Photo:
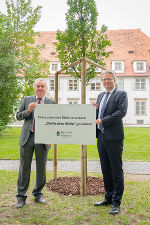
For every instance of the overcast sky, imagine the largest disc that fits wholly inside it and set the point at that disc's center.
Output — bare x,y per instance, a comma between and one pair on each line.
116,14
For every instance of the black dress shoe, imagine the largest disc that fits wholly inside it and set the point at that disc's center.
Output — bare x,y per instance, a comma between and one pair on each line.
115,209
102,203
20,204
39,199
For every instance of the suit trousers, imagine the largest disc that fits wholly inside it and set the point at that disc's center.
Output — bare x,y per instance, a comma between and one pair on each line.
110,153
26,154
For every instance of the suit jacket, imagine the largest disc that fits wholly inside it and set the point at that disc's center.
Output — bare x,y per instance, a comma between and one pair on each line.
115,110
23,114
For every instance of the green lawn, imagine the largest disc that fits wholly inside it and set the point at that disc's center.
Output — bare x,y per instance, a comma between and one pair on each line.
136,146
72,210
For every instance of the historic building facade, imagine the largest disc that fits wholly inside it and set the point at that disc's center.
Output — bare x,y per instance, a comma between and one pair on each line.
129,57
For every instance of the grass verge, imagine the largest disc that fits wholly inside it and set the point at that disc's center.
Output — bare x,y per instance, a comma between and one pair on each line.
72,210
136,146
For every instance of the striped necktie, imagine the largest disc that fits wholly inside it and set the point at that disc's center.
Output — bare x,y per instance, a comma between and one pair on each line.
103,109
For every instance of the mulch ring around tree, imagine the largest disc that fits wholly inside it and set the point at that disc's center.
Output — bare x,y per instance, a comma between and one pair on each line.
71,186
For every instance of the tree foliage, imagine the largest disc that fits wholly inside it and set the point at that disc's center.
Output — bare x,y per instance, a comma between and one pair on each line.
20,61
23,19
9,87
81,38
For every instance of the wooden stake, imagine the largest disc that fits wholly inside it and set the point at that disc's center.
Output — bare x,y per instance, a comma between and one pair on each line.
55,145
83,147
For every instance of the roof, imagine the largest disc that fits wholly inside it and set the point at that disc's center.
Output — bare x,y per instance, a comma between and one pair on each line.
129,45
126,44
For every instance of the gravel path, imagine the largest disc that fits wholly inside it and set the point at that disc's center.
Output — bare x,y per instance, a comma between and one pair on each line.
71,165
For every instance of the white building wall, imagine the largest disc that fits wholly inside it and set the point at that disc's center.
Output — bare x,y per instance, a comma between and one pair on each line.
129,87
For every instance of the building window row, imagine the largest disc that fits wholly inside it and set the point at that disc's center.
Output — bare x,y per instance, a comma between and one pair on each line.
140,105
117,65
138,66
95,85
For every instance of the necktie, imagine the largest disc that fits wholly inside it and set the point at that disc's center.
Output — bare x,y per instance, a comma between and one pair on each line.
38,102
103,109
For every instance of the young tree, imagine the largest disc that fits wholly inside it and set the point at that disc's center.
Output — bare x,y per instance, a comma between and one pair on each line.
81,38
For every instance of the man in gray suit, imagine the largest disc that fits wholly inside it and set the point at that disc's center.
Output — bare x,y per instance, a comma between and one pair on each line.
27,145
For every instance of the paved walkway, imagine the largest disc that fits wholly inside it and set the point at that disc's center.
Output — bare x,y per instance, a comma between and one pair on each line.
71,165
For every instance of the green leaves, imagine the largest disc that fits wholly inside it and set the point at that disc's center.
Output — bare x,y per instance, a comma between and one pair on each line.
18,56
81,38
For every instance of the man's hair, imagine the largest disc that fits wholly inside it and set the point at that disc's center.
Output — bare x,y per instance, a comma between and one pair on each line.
39,79
112,72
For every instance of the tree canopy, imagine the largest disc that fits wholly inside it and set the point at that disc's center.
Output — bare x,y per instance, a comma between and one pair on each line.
81,37
19,56
23,20
9,87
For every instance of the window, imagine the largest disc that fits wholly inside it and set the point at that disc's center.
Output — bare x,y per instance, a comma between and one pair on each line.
120,83
118,66
73,101
53,53
93,100
140,107
140,122
95,85
54,66
97,69
139,66
73,85
51,85
140,84
130,52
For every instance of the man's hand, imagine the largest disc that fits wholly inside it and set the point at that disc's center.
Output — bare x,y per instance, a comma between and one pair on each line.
94,104
31,107
48,145
98,121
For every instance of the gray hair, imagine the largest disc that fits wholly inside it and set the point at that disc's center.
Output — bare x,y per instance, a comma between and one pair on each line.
39,79
112,72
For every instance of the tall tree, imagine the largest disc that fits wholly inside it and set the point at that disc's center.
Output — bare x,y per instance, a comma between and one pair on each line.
9,88
23,19
18,56
81,38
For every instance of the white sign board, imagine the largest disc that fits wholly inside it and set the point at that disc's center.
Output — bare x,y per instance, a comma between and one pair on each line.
65,124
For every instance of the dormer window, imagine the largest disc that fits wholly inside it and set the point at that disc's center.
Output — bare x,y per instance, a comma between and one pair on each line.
139,66
118,66
53,53
130,52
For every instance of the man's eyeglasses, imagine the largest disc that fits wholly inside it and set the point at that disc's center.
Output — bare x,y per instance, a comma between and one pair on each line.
108,79
40,86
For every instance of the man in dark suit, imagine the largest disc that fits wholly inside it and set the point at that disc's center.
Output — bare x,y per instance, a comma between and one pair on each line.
27,145
111,108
